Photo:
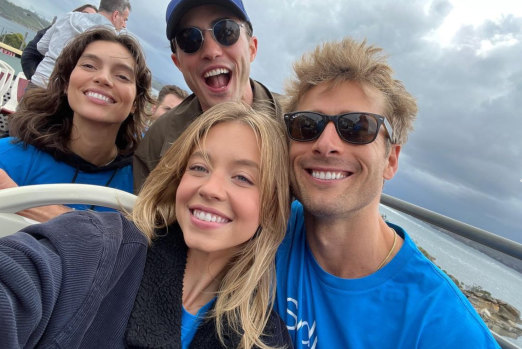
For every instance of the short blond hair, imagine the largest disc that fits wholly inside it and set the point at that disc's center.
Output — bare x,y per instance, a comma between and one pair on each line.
247,290
349,60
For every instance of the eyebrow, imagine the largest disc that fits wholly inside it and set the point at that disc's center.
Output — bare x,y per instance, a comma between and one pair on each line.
119,65
240,162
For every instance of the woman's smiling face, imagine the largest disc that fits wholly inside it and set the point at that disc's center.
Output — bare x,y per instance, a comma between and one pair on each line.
102,85
218,198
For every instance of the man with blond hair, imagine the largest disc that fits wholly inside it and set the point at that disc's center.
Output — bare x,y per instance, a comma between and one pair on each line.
345,277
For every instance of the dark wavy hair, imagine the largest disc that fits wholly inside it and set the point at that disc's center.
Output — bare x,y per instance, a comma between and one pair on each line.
83,7
44,117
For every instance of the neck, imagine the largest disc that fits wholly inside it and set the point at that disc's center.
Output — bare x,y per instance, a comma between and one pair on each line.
352,247
95,145
248,95
203,275
106,14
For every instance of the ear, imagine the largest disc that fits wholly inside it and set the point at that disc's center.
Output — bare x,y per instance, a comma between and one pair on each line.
114,16
392,162
252,46
175,59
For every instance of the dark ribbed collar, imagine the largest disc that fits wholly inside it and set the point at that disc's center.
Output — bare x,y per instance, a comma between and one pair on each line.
79,163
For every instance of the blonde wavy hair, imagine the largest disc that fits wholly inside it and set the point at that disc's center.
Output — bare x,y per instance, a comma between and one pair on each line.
246,292
348,60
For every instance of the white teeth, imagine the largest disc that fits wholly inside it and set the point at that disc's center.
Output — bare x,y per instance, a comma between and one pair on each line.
99,96
207,217
328,175
215,72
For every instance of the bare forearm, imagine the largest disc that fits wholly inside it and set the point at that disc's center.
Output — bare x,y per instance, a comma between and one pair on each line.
44,213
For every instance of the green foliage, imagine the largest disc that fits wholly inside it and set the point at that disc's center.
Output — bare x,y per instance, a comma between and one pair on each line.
15,40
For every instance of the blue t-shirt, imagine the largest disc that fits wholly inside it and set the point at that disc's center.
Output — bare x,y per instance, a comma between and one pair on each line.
409,303
190,324
28,166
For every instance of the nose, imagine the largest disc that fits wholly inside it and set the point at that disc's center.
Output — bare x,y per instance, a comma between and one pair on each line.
103,77
328,142
210,47
213,188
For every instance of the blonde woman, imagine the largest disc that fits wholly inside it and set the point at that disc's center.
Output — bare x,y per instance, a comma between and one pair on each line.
194,266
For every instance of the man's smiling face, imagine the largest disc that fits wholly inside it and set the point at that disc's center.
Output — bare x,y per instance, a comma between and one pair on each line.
331,177
216,73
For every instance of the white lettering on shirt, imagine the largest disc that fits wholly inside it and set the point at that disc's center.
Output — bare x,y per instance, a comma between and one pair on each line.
301,326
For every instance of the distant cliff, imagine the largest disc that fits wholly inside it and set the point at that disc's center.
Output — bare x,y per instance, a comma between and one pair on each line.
22,16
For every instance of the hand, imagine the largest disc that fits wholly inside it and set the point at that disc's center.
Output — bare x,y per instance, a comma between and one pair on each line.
40,214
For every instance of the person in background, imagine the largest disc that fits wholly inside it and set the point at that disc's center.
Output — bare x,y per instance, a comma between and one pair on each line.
30,55
345,277
85,126
111,13
199,274
169,97
213,45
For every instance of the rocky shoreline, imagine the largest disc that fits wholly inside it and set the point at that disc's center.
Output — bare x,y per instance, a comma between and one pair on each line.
501,317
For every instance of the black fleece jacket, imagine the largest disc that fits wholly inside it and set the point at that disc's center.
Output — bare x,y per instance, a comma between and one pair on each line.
155,321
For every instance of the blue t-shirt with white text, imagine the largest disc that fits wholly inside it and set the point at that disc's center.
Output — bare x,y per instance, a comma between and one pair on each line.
409,303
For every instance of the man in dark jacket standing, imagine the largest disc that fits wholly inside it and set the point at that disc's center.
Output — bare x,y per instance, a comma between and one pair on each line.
213,46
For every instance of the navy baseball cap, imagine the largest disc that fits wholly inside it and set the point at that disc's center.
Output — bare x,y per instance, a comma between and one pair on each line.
177,9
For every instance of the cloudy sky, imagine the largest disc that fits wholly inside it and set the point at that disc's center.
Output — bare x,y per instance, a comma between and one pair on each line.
462,59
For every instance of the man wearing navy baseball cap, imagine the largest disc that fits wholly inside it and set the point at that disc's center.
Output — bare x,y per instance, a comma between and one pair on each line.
213,46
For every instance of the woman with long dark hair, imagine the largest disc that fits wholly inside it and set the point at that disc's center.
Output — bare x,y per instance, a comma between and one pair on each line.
85,126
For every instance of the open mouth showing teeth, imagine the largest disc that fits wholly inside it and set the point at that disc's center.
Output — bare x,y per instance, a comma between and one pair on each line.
208,217
99,96
217,78
329,175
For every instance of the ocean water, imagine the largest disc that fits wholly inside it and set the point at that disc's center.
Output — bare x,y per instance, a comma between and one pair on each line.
468,265
7,26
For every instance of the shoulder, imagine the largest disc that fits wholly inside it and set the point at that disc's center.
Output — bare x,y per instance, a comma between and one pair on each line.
445,301
83,21
294,243
295,221
12,150
168,127
7,143
183,114
264,98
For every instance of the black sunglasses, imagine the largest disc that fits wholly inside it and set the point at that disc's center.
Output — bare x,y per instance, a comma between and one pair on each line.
355,128
225,32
